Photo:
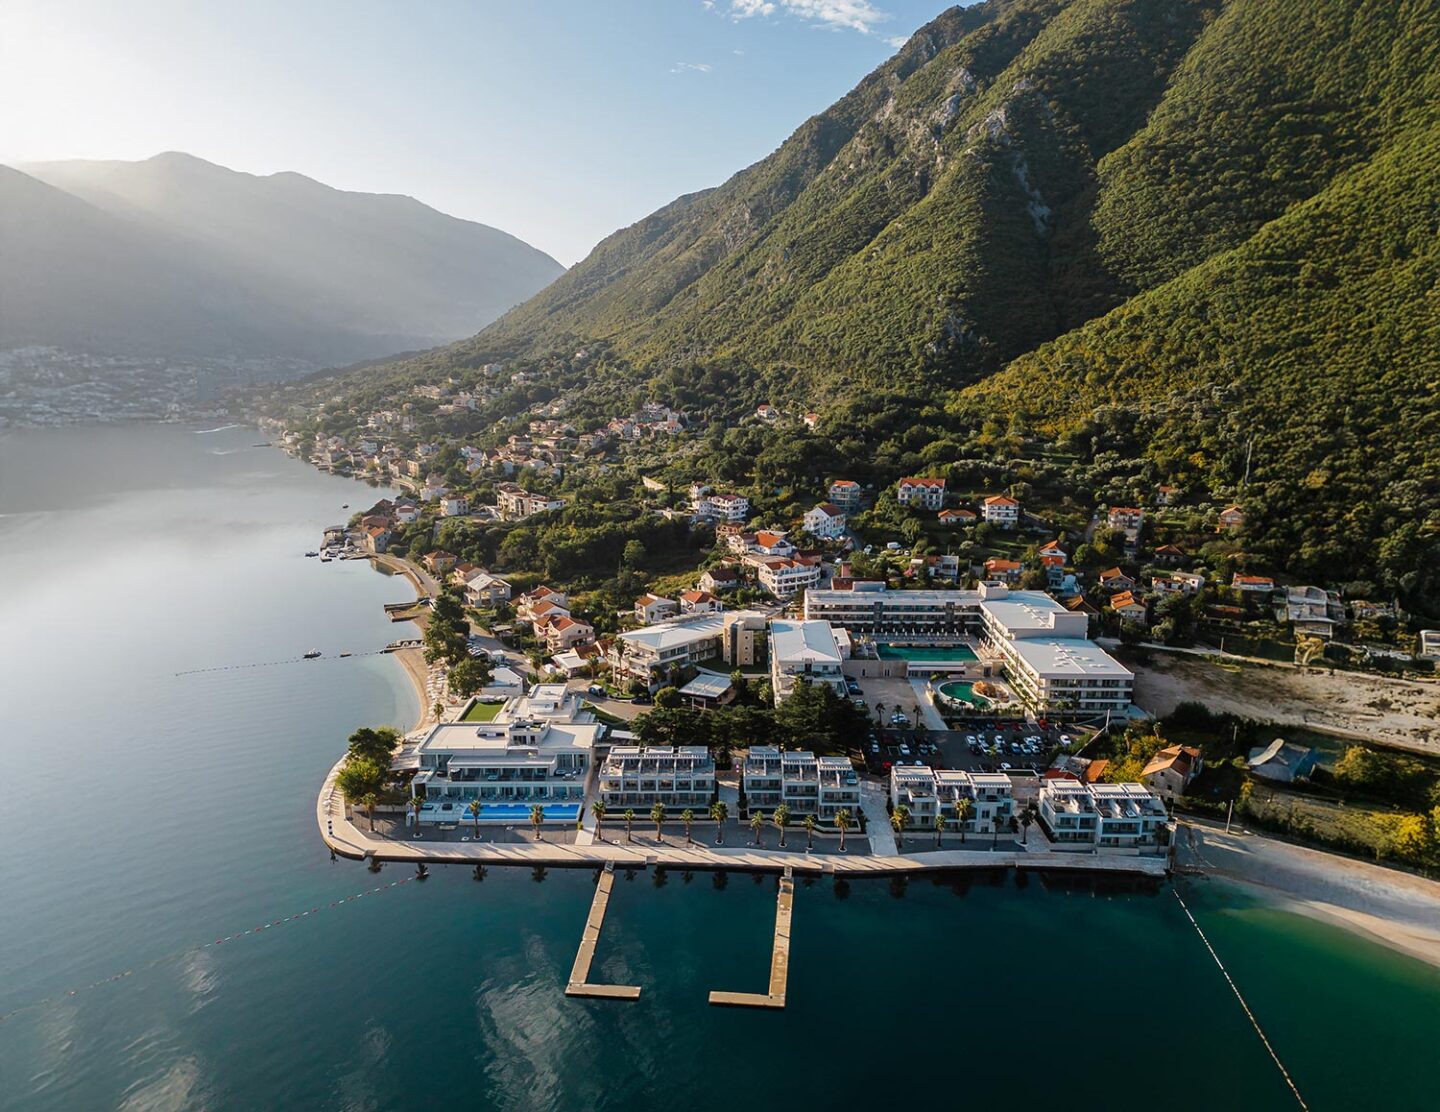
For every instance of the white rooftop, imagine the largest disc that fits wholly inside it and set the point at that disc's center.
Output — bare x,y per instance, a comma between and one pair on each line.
677,632
800,642
707,686
1066,657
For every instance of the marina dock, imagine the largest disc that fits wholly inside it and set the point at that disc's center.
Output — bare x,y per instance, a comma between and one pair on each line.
779,958
579,983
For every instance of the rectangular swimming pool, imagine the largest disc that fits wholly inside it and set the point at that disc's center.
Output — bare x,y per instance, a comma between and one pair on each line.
925,652
501,812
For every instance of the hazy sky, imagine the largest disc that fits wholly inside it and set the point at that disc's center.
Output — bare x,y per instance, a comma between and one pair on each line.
557,120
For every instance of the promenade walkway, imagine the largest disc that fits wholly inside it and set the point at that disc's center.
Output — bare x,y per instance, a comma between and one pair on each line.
349,840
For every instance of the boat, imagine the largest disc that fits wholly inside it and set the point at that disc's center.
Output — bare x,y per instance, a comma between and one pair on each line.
326,559
345,654
312,554
312,654
346,506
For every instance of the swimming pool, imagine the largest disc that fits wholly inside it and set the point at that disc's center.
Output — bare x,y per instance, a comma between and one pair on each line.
963,693
926,652
500,812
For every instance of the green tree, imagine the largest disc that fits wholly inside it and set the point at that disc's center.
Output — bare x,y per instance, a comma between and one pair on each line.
598,810
469,676
781,819
369,799
629,821
719,812
687,817
809,823
842,823
537,817
475,807
964,809
939,828
373,744
417,803
657,816
897,823
757,824
359,777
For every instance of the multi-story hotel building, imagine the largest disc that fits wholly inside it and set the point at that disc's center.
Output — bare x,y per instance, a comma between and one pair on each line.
536,750
804,650
647,654
1112,815
1049,661
926,792
869,609
803,782
682,778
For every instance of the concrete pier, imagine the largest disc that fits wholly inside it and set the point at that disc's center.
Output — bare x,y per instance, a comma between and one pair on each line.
579,984
779,958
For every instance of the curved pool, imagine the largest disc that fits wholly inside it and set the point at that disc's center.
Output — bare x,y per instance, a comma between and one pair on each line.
961,692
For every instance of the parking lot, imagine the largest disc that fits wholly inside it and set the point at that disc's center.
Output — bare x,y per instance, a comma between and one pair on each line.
1023,747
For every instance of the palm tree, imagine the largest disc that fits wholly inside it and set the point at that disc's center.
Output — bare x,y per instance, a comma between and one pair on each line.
809,824
781,819
995,830
368,800
939,829
537,816
842,823
899,819
629,818
1027,816
416,802
687,817
439,709
757,824
657,816
475,808
598,810
880,712
964,808
719,812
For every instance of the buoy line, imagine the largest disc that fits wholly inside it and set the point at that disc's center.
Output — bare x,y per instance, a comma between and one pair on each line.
274,663
1236,990
49,1001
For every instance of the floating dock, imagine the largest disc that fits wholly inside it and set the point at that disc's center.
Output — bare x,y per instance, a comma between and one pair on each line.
779,958
579,984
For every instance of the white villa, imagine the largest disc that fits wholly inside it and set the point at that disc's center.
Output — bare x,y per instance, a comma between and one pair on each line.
827,521
723,507
925,494
537,750
636,777
1001,510
1119,816
803,782
927,792
784,577
803,649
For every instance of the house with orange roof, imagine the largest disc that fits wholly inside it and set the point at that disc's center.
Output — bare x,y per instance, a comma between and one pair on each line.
1172,770
1128,607
956,517
1257,584
1231,517
650,609
922,493
700,602
1005,571
1001,511
1116,580
826,521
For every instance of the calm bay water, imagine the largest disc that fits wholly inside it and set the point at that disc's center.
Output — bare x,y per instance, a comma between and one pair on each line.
149,813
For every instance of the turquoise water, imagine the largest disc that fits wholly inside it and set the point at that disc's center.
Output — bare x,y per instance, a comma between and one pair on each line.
151,815
964,692
911,652
493,811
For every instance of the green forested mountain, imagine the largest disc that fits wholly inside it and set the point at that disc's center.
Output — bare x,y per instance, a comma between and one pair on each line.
1168,231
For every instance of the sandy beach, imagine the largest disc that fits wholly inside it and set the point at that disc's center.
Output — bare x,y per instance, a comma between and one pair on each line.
1395,909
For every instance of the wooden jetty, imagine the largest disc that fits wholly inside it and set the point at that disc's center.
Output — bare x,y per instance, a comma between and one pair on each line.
779,958
579,984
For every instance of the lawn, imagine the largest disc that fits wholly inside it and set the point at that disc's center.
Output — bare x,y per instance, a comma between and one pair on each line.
482,712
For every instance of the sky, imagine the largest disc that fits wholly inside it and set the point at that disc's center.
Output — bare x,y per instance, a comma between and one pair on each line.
556,120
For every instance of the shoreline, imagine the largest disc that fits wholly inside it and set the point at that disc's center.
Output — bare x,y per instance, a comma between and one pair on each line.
1396,910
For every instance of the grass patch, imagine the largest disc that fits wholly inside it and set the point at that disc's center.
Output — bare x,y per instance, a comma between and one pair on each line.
482,712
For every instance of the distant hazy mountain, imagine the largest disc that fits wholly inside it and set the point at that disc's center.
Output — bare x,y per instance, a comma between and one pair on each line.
177,256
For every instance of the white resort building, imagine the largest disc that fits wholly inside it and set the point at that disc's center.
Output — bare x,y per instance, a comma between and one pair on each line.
804,649
926,792
803,782
636,777
537,750
648,654
1116,816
